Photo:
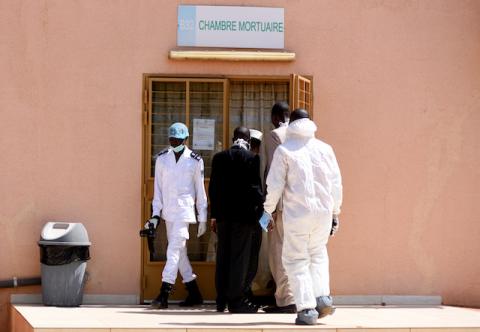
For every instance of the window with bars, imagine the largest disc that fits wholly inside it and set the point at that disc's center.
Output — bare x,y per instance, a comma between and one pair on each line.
207,102
168,105
251,103
184,102
302,93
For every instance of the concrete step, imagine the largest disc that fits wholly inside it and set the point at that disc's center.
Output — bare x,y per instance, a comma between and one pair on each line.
108,318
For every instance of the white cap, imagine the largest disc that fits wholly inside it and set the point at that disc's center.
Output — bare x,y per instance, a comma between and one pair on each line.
256,134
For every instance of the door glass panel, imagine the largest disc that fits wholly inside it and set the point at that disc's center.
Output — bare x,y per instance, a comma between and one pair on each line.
251,103
206,102
174,102
168,106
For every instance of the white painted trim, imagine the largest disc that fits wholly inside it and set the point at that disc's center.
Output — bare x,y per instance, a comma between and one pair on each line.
107,299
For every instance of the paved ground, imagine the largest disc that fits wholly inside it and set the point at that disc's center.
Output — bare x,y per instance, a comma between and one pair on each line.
138,318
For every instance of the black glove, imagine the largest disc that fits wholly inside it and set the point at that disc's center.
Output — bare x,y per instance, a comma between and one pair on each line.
335,225
153,220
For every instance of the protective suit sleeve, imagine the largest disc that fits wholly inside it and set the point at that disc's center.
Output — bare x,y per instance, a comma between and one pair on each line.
202,228
272,141
157,202
337,188
201,196
276,180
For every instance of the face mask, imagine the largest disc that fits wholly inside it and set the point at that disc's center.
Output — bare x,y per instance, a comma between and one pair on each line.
179,148
242,143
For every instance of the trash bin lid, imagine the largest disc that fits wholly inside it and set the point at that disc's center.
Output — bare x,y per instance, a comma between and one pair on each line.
64,234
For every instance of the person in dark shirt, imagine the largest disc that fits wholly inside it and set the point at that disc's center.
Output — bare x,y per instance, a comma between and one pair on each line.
255,143
236,203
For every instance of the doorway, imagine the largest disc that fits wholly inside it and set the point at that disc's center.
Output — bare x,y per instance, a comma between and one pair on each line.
223,103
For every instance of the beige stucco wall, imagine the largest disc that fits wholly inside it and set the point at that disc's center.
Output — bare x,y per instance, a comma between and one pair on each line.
397,93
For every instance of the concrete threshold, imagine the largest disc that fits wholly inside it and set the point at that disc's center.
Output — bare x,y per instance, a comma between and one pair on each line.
109,318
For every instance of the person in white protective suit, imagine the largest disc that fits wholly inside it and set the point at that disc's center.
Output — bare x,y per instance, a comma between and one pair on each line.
178,187
305,171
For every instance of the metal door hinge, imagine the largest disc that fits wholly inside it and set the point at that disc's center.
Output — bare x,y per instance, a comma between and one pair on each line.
145,107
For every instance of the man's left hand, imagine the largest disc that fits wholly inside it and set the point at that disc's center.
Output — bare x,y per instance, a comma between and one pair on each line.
266,221
202,228
335,225
153,220
271,225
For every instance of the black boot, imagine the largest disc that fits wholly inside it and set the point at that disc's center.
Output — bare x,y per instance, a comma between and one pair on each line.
161,302
194,297
242,306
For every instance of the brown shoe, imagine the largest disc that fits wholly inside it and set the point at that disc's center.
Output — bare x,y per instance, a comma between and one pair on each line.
274,309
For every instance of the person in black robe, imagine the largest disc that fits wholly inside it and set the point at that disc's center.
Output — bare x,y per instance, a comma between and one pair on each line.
236,203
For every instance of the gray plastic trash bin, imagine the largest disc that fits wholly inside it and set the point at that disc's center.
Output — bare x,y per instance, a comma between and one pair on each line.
64,251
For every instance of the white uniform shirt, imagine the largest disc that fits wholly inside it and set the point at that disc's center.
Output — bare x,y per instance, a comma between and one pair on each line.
178,186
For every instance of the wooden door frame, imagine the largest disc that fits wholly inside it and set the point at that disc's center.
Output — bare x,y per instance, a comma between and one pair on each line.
146,131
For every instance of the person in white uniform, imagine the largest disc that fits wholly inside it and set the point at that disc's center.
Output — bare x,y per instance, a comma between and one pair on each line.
305,171
178,188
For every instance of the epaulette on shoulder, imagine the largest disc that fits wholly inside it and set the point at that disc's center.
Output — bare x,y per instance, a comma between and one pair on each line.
160,153
196,156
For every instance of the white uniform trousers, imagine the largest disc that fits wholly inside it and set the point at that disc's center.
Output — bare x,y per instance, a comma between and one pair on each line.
305,259
177,259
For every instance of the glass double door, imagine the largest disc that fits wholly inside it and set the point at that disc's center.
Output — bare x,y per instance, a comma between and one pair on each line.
211,108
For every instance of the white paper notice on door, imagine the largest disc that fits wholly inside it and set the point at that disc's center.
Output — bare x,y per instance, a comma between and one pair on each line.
203,134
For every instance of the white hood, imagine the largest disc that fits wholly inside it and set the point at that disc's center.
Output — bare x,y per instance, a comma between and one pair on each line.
302,127
305,172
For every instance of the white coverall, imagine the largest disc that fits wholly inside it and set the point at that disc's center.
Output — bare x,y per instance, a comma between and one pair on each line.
178,186
305,170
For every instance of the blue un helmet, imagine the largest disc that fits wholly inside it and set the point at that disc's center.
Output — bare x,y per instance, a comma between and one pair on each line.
178,130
